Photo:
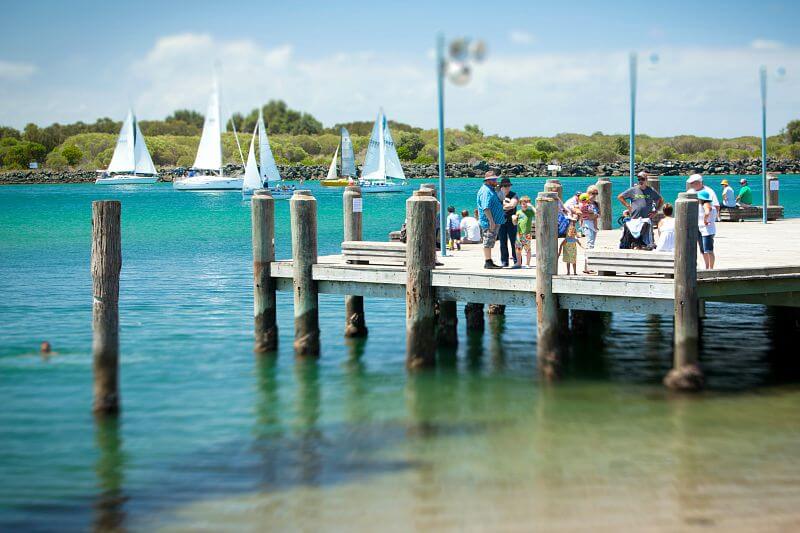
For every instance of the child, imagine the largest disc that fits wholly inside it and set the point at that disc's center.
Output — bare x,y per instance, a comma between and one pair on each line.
569,249
453,228
588,219
524,221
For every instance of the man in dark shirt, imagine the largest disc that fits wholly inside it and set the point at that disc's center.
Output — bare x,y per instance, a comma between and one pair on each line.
642,201
508,232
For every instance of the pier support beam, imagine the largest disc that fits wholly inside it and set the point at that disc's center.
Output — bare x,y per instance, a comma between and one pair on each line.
654,182
604,199
497,309
546,267
264,306
686,374
554,185
106,264
474,314
447,327
355,323
420,261
303,210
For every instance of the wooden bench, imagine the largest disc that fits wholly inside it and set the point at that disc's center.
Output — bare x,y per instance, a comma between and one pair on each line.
738,214
374,253
609,263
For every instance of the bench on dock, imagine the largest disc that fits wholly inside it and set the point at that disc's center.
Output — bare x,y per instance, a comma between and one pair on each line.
738,214
609,263
374,253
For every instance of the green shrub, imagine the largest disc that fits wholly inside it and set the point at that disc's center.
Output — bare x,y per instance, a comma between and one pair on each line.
56,161
72,154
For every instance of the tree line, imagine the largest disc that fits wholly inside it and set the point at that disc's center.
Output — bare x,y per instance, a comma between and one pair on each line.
299,138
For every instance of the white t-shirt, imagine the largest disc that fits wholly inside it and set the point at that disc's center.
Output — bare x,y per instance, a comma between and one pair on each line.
711,227
470,229
728,197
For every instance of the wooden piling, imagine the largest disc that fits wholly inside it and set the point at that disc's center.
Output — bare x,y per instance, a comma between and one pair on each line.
554,185
303,210
497,309
262,213
604,199
447,324
473,312
420,261
106,263
654,182
546,267
355,323
686,374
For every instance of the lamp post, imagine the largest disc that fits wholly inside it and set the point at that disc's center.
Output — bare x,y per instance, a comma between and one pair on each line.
456,67
632,67
779,75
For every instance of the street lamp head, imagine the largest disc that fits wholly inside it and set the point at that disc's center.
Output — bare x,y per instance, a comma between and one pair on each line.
477,51
459,49
458,72
780,74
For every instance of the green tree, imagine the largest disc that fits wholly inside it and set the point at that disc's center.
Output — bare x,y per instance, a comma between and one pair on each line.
543,145
474,129
410,144
187,116
72,154
622,146
793,132
6,131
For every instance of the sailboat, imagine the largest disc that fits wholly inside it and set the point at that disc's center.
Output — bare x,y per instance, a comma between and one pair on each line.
268,175
207,173
382,171
131,162
348,163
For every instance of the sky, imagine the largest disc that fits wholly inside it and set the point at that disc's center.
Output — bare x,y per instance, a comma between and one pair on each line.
551,66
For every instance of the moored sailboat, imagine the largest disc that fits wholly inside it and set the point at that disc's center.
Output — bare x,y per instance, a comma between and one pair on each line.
267,176
207,173
131,162
348,163
382,171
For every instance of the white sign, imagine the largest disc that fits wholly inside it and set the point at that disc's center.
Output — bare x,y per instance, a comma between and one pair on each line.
357,205
554,167
33,164
774,185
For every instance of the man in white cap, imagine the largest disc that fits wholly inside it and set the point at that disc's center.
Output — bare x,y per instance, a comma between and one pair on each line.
695,183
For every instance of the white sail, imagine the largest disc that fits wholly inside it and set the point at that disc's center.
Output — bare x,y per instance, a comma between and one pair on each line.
269,170
124,159
348,158
209,152
252,180
332,168
393,168
143,161
374,168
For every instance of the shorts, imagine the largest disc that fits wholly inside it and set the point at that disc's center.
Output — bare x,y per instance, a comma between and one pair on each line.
455,234
524,241
705,243
490,237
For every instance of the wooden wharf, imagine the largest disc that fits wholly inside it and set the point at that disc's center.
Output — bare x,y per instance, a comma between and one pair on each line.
758,264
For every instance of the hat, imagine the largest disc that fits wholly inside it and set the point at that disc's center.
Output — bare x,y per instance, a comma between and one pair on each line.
694,178
583,196
578,193
742,181
723,182
504,182
704,195
643,174
490,176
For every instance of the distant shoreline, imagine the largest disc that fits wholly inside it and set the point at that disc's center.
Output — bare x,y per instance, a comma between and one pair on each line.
453,170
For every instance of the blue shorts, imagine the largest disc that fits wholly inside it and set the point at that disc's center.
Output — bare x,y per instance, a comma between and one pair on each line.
705,243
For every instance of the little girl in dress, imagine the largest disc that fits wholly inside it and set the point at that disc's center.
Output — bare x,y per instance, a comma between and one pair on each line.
569,249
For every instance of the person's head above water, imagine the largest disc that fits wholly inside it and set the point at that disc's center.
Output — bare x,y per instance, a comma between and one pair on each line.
45,347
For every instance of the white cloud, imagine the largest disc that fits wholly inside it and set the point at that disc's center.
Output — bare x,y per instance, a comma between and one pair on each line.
766,44
13,71
521,37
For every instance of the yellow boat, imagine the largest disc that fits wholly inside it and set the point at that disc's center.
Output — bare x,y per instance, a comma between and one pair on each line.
335,182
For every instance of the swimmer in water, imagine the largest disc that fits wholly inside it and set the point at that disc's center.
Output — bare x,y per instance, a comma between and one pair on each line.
46,350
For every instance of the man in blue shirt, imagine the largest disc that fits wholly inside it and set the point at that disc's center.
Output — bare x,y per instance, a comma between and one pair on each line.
491,215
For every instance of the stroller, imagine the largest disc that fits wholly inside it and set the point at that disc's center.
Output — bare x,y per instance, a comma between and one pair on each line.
637,234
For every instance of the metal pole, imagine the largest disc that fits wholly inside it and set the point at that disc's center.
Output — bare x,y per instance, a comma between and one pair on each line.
765,192
632,148
440,87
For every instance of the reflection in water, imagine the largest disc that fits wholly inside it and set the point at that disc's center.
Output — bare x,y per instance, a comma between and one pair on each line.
474,354
307,413
783,327
587,344
109,512
497,327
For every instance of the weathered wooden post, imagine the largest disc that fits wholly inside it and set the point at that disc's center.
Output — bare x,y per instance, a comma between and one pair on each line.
604,199
262,213
355,324
772,190
106,263
546,268
303,210
686,374
554,185
447,326
497,309
473,312
420,261
654,182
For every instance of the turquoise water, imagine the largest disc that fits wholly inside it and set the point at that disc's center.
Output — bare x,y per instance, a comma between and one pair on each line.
211,436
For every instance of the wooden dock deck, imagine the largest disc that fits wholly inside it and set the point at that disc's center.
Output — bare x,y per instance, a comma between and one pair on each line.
756,263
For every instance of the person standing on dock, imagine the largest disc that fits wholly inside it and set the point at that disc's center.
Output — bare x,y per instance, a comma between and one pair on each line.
453,229
695,183
706,217
525,218
508,232
642,201
491,216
